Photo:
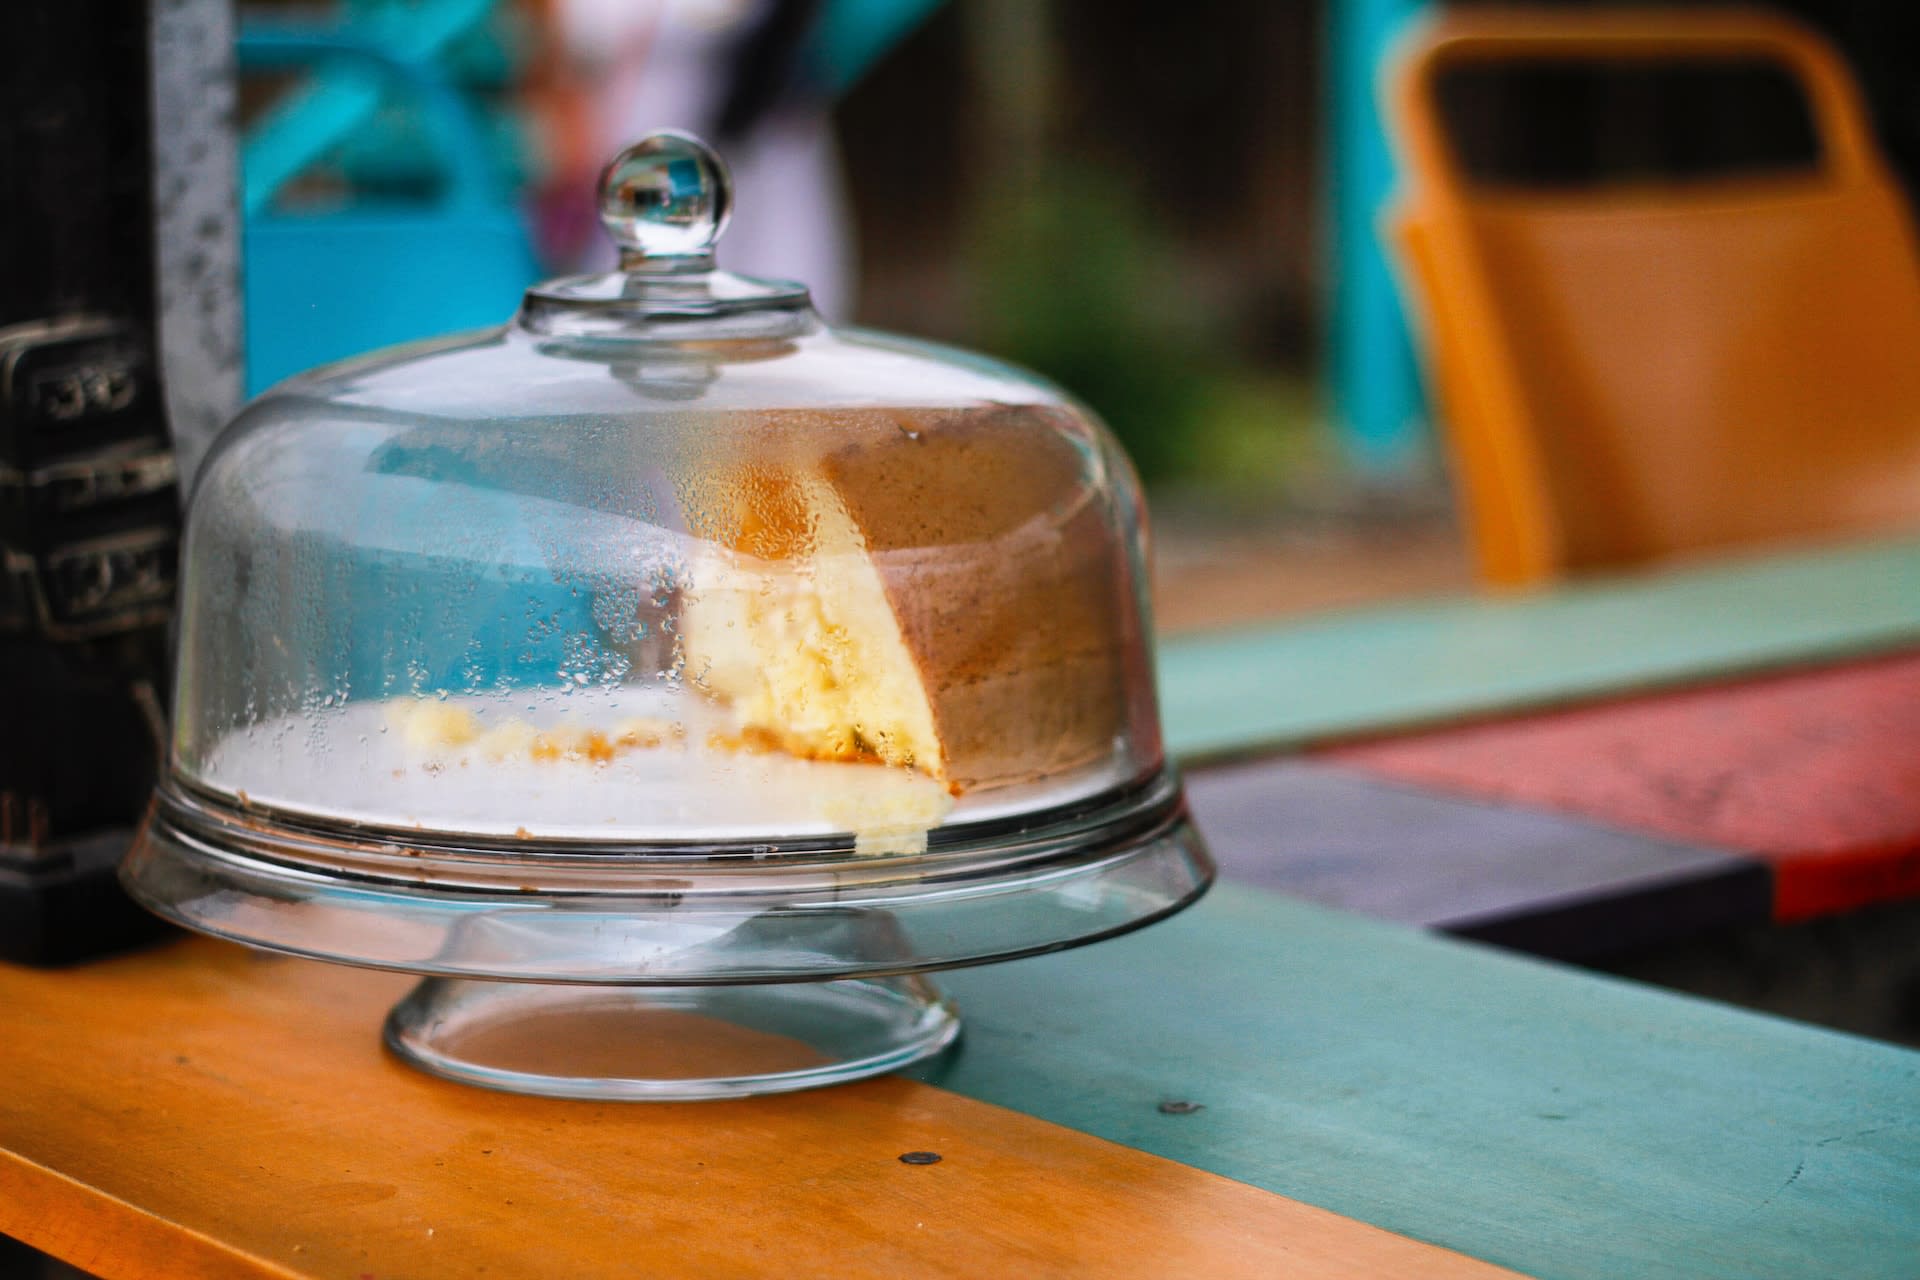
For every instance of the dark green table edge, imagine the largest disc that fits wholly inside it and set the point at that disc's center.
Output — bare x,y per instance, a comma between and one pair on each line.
1559,1123
1300,681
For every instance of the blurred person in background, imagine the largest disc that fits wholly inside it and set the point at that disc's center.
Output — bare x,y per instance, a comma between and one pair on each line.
732,71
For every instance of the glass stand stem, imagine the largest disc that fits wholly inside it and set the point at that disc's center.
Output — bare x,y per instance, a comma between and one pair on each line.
668,1043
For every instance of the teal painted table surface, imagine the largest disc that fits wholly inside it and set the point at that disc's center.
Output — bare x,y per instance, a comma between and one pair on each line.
1561,1124
1352,674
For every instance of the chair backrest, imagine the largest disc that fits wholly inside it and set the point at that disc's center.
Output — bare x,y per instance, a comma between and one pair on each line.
1638,370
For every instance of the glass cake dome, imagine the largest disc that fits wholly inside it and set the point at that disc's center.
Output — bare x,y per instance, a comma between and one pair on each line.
667,676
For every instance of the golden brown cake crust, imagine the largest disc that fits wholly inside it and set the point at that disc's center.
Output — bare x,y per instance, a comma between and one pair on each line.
989,535
992,539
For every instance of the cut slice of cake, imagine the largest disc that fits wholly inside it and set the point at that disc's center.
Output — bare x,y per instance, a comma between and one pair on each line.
937,591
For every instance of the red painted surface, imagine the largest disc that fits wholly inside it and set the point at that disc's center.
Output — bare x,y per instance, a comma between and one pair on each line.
1816,772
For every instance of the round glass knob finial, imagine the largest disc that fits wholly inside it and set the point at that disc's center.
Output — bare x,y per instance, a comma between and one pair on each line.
666,197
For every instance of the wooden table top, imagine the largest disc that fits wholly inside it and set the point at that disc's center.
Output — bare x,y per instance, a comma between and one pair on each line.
1373,1101
1306,681
1622,764
217,1113
1370,1099
1813,774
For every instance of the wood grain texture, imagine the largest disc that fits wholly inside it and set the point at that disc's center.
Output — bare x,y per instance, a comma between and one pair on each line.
1305,681
200,1111
1817,772
1571,1127
1537,882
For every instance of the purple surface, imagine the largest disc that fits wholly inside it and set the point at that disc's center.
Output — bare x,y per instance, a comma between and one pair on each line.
1535,881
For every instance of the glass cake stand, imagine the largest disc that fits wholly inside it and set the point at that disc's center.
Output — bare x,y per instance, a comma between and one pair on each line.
669,679
618,972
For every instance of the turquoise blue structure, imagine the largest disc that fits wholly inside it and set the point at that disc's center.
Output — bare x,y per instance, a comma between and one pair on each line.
323,281
429,241
854,34
1378,404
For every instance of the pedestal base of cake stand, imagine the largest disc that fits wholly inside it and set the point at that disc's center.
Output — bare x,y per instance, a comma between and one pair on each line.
668,1044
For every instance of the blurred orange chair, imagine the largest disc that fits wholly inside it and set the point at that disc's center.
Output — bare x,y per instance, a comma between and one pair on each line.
1635,371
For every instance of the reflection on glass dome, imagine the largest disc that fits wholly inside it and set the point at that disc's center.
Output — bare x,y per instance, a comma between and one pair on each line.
689,618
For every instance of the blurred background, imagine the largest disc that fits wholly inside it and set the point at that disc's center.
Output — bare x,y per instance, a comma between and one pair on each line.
1175,211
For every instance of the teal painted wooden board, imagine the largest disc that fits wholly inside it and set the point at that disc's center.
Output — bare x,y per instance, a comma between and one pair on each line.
1561,1124
1349,674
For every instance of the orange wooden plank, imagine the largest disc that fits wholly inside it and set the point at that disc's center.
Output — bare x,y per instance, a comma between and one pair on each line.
200,1110
1817,773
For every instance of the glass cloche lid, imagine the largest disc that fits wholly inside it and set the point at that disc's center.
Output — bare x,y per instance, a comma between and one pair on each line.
666,639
